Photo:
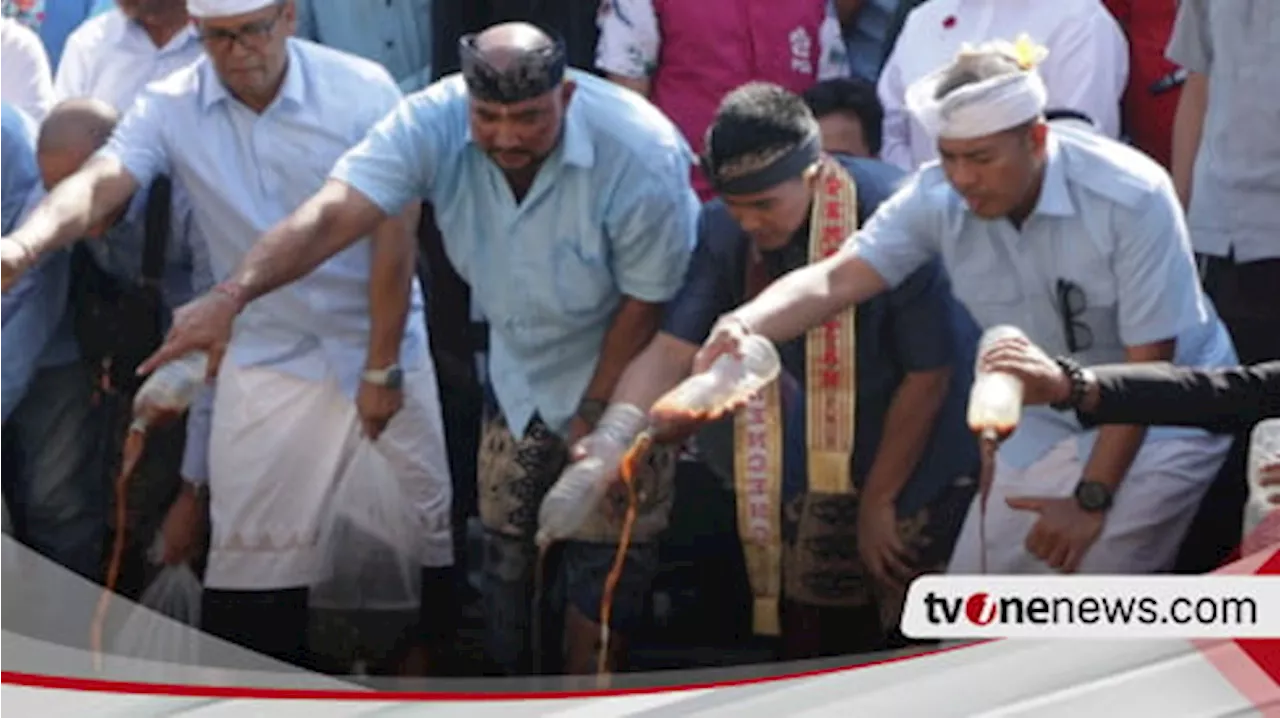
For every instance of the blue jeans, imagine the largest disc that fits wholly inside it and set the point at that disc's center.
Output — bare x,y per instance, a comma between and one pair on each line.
57,487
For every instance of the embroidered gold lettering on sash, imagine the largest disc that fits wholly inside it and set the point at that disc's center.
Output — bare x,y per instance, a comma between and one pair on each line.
830,406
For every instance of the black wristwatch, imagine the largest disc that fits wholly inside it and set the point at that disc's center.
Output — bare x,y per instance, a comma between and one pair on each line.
1093,496
1079,385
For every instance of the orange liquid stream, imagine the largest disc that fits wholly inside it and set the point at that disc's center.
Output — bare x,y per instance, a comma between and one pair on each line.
630,464
134,444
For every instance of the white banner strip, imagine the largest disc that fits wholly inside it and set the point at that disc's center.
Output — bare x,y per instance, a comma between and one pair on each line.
1143,607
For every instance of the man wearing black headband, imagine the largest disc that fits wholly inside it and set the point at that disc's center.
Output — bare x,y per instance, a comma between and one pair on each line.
912,457
564,202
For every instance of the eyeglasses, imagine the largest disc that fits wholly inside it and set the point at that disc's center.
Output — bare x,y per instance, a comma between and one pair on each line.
251,35
1071,304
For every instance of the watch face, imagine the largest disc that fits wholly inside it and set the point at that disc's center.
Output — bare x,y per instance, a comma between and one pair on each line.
1093,496
395,377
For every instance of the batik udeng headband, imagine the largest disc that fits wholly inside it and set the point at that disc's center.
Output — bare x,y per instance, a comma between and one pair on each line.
788,165
531,74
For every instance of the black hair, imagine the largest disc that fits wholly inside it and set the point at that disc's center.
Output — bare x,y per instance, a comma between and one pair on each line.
756,120
853,96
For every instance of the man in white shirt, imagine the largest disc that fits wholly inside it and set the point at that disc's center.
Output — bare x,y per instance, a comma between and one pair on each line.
111,57
319,369
1086,69
25,77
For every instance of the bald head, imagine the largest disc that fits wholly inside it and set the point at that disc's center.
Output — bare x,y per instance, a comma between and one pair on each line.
507,44
72,132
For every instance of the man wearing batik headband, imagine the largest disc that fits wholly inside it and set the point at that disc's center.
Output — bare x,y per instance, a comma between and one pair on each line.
564,202
834,522
1077,240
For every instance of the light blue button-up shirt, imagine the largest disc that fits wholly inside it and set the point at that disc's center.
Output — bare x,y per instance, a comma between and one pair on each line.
1108,221
394,33
245,172
611,213
33,314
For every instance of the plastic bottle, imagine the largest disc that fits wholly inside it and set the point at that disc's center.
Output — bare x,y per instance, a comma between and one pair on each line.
1264,449
995,401
170,390
584,483
729,379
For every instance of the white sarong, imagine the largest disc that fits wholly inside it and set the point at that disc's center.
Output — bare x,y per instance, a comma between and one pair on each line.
1144,527
278,448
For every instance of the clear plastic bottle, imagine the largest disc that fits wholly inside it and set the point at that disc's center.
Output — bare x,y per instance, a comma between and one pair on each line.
995,401
1264,449
584,483
729,379
170,390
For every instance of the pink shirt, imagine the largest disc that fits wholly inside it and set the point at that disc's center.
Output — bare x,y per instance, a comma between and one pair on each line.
695,52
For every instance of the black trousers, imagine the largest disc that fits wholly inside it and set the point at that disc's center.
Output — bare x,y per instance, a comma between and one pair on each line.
273,623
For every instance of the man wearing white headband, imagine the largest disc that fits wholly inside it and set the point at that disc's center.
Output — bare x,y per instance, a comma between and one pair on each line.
251,130
1075,239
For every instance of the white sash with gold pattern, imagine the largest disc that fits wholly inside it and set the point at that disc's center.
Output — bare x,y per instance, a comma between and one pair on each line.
830,394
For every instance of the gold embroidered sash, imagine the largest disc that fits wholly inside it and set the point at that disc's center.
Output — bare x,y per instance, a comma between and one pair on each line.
830,365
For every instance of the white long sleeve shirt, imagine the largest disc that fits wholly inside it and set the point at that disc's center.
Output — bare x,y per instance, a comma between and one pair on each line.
1086,69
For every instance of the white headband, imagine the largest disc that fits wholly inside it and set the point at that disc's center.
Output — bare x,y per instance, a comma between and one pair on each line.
986,107
225,8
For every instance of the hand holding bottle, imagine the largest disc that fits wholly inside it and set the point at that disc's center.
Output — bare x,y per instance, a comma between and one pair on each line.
582,485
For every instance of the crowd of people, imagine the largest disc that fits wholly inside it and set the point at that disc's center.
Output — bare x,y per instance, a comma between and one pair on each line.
449,251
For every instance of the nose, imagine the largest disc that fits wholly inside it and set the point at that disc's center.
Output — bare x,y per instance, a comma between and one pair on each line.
505,138
963,177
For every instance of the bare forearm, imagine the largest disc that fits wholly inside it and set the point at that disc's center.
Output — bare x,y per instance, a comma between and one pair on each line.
324,225
659,368
1188,124
78,204
907,428
809,296
390,286
634,325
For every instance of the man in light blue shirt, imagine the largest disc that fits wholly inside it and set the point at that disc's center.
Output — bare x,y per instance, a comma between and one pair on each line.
50,425
395,34
317,370
1079,242
564,202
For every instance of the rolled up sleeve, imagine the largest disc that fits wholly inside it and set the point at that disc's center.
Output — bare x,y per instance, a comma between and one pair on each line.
396,160
652,231
1160,295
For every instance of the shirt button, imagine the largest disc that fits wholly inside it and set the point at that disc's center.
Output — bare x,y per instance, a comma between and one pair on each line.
390,44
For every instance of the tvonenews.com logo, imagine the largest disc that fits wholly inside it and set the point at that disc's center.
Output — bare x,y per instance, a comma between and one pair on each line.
1093,606
983,609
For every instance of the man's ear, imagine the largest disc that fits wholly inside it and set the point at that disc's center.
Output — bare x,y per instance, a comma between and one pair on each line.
566,91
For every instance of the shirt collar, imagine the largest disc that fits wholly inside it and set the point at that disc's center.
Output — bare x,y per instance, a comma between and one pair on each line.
294,89
1055,196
